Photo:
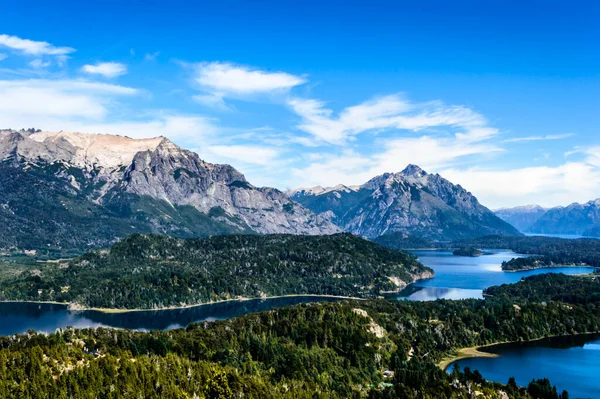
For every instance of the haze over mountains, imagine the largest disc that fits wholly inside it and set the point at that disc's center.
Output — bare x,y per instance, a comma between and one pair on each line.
411,202
522,217
574,219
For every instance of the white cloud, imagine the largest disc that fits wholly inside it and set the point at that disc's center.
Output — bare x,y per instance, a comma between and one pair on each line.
253,154
352,168
106,69
230,78
539,138
31,47
212,100
348,167
385,113
544,185
428,152
3,56
151,56
39,63
172,126
35,101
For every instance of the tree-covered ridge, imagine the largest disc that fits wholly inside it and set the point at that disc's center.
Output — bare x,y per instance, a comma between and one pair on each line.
317,350
583,291
152,271
535,262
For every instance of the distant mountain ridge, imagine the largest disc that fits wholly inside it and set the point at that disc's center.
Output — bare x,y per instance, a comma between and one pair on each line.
78,190
522,217
411,201
578,219
574,219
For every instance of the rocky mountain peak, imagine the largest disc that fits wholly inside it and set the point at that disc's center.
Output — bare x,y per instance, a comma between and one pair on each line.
89,151
411,201
128,185
413,170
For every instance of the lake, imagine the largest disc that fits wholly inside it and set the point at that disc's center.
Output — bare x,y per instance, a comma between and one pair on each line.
19,317
462,277
571,363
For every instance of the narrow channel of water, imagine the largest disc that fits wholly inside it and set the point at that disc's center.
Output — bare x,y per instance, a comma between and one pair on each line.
462,277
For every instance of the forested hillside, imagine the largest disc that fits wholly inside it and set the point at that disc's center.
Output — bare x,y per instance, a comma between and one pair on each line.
320,350
151,271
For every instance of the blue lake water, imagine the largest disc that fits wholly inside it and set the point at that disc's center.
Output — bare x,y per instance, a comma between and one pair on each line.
462,277
566,236
571,363
19,317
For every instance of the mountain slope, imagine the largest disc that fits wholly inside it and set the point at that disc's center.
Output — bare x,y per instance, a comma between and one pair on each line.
581,219
521,217
77,190
158,271
412,202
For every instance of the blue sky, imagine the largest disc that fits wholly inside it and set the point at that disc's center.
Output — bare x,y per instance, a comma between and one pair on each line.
502,97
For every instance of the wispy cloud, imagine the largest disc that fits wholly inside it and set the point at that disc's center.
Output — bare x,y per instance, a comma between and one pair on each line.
212,100
388,112
39,63
3,56
539,138
543,185
253,154
106,69
151,56
229,78
40,99
31,47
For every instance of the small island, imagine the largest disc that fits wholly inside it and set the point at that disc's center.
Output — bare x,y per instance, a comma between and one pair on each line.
468,251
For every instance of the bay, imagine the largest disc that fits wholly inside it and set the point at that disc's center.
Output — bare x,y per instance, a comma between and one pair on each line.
571,363
19,317
463,277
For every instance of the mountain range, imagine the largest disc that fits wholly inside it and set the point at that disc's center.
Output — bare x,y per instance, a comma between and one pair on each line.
411,202
574,219
76,190
522,217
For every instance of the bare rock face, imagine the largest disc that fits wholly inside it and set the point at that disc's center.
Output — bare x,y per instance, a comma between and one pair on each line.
155,182
411,201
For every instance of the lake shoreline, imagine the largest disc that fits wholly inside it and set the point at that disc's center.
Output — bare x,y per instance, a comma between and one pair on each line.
479,352
549,267
80,308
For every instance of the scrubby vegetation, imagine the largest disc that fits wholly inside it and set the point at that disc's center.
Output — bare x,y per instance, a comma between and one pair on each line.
158,271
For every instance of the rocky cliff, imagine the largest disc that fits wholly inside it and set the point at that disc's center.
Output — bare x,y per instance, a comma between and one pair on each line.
78,190
411,201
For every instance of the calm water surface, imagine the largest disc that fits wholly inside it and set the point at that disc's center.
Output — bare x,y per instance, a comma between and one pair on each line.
571,363
19,317
461,277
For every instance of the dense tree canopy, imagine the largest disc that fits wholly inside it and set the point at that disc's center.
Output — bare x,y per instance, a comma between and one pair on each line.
152,271
374,348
